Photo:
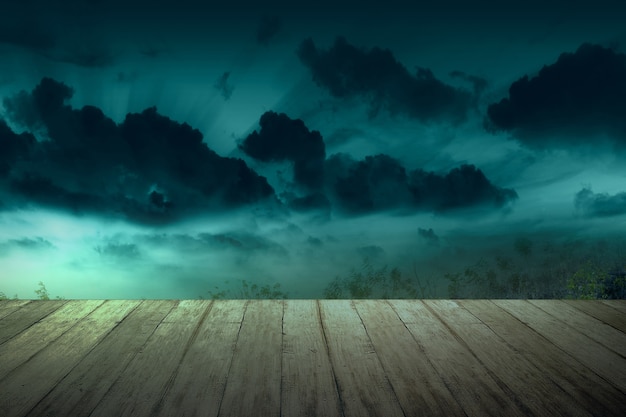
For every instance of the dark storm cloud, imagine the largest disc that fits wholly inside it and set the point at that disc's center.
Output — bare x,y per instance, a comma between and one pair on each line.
428,235
268,29
581,94
347,71
25,244
42,190
285,139
600,204
119,251
221,85
29,243
147,169
175,152
380,182
461,187
22,108
13,147
376,183
241,241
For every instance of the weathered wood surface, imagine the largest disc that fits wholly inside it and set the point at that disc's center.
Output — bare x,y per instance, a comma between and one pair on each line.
312,358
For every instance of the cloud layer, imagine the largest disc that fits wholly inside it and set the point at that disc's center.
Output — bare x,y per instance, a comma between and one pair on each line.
147,168
375,183
375,74
380,182
592,204
151,169
580,96
285,139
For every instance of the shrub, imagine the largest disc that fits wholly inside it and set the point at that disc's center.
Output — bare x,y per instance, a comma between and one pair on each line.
247,291
377,283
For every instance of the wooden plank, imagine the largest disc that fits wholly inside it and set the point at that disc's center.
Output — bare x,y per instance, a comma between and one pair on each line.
253,384
9,306
519,374
143,382
364,390
25,386
590,391
308,382
302,357
198,387
30,314
418,386
595,356
578,321
81,390
601,312
542,395
476,389
619,305
22,347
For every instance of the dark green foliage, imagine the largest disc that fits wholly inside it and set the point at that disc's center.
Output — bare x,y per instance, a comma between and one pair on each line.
42,292
593,281
250,291
3,296
376,283
217,295
577,270
574,269
484,280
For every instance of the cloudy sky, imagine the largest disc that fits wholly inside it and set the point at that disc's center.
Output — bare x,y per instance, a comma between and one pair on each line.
160,149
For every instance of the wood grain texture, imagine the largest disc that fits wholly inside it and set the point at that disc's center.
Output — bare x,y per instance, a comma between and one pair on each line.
9,306
199,384
364,389
29,314
27,343
253,383
418,386
143,381
618,305
25,386
305,358
527,381
587,389
597,330
474,387
601,312
312,357
575,342
84,387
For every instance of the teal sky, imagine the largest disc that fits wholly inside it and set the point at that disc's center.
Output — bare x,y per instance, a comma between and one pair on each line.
220,68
